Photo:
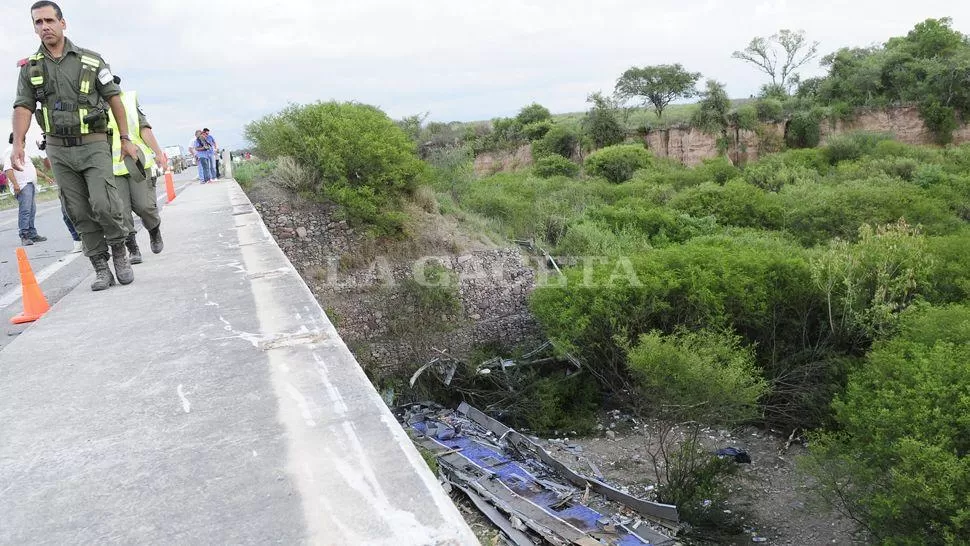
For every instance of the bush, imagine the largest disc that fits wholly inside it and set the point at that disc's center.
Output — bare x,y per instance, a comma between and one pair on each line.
718,170
702,376
291,175
361,158
533,113
770,110
756,285
602,122
852,146
563,404
803,130
555,165
537,130
904,444
736,203
940,120
559,140
745,117
618,163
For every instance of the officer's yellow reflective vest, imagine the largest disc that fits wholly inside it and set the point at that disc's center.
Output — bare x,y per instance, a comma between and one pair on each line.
130,100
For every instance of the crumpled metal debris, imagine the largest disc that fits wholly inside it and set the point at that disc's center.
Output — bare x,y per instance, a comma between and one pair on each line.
528,494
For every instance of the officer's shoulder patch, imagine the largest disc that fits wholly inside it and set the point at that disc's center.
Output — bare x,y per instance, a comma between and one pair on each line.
22,63
104,76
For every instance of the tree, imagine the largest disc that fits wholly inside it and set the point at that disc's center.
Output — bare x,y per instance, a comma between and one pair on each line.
657,85
779,56
533,113
712,114
602,122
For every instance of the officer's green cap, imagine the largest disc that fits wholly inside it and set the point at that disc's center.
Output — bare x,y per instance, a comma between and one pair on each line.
135,173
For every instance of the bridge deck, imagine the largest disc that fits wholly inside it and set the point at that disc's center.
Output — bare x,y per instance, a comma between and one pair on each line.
211,401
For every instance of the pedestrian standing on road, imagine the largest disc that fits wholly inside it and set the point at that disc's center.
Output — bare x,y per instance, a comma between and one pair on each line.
78,246
24,187
215,153
203,154
132,178
74,88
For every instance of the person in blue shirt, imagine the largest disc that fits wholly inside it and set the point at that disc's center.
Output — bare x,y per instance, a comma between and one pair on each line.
202,150
214,160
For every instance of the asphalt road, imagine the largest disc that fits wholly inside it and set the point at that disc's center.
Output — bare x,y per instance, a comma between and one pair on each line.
57,270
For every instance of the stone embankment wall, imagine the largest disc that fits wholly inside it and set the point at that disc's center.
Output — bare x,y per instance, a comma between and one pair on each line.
691,146
365,292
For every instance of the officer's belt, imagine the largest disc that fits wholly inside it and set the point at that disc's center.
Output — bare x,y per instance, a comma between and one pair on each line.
68,142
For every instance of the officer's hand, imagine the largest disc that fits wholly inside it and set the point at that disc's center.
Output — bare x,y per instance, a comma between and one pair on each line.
17,157
129,149
162,161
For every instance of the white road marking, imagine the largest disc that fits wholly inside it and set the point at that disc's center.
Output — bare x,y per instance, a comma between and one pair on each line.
44,274
185,401
15,294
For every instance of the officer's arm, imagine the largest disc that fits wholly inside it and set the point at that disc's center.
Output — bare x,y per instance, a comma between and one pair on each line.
149,137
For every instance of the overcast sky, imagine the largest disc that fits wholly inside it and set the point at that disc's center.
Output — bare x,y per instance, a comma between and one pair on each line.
223,63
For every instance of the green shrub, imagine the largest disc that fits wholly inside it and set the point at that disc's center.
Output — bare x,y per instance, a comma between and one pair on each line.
745,117
533,113
852,146
563,405
770,110
537,130
939,119
803,130
555,165
705,376
602,122
757,285
736,203
905,435
718,170
361,158
949,276
559,140
816,213
618,163
247,172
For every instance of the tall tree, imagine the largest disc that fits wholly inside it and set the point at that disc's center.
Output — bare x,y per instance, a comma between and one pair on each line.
657,85
780,56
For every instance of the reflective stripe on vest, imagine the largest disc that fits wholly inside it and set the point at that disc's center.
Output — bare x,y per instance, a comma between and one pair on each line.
130,100
35,70
89,69
83,113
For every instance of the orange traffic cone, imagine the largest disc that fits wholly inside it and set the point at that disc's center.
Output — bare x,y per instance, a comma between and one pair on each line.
35,304
170,186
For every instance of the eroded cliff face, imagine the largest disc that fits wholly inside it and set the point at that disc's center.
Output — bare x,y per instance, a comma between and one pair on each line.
692,146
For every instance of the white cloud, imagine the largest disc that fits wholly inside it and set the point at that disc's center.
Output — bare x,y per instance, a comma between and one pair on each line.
223,63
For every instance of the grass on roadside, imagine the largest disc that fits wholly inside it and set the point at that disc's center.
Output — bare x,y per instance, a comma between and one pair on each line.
8,201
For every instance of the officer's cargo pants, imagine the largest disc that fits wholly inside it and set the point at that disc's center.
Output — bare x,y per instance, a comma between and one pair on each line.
93,203
140,198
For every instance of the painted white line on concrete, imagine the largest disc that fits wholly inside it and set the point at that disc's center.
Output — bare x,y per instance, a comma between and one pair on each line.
185,401
44,274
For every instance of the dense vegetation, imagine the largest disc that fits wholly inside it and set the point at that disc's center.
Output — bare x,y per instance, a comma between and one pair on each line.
785,285
822,289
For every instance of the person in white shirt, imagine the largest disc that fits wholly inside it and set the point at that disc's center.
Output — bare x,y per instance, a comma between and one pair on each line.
24,185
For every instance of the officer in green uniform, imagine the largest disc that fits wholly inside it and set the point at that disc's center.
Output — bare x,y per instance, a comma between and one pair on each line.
74,88
133,178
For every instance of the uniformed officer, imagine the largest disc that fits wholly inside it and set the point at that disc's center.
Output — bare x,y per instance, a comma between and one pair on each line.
133,178
74,87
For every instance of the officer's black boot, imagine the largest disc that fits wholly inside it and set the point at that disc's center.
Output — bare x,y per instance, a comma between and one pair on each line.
104,278
134,254
119,256
156,236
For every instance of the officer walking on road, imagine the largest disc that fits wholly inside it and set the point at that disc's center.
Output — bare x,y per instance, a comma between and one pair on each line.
74,88
132,176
